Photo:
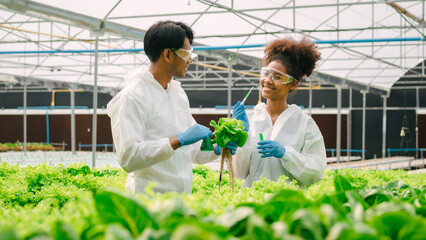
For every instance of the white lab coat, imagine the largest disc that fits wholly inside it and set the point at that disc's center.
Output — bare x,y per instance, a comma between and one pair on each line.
143,117
305,156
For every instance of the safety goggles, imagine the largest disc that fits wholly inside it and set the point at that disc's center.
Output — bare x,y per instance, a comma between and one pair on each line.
277,76
185,54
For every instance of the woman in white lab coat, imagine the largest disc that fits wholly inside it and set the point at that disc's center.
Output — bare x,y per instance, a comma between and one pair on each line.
292,143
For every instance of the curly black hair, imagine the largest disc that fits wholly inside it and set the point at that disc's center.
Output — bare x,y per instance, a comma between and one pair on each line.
298,57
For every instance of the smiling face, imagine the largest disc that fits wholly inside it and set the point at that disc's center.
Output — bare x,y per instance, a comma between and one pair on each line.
275,90
180,66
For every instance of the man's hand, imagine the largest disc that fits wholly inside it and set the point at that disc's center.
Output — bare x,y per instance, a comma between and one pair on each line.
193,134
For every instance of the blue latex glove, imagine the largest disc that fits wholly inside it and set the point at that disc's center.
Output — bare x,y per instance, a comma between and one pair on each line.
269,148
230,145
193,134
239,112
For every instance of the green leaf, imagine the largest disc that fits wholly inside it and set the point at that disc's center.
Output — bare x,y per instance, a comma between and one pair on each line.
62,231
117,232
170,213
257,228
399,225
114,208
242,138
206,145
421,211
358,231
342,184
248,204
92,232
391,206
8,234
396,184
191,231
236,220
376,196
86,170
282,205
355,198
307,224
336,201
151,234
357,205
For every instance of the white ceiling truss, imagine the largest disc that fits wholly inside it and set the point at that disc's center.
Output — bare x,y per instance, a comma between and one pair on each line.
365,45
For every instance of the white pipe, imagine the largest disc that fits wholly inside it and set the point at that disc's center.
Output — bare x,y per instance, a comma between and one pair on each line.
25,117
364,103
349,126
417,118
229,88
95,103
384,126
73,121
339,122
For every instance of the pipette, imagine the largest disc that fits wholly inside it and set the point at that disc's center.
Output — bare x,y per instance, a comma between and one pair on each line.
247,95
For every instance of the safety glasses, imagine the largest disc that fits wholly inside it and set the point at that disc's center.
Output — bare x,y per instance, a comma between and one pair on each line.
277,76
185,54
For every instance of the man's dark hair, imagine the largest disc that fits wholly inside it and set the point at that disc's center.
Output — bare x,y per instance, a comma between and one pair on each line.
165,34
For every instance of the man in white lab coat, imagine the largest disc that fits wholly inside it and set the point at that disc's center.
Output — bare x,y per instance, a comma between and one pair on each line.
155,135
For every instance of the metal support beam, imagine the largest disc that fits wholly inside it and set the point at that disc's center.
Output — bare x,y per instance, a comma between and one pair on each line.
54,14
72,121
229,89
339,123
364,103
95,104
51,84
384,126
346,83
25,118
349,126
417,119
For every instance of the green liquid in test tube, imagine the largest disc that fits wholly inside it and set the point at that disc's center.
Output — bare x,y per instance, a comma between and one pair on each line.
261,139
245,98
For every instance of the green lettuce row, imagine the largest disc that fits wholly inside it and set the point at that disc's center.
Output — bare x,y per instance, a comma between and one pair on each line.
347,204
347,213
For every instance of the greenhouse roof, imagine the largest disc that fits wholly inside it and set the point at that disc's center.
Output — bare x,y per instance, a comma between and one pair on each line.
366,45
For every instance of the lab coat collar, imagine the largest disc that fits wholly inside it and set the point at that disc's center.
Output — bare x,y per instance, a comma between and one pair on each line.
150,78
259,107
173,84
282,119
260,113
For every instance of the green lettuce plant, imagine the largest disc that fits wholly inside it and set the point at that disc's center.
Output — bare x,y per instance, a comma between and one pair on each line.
228,130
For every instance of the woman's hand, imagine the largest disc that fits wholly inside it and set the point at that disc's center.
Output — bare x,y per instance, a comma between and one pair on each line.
239,112
269,148
230,145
